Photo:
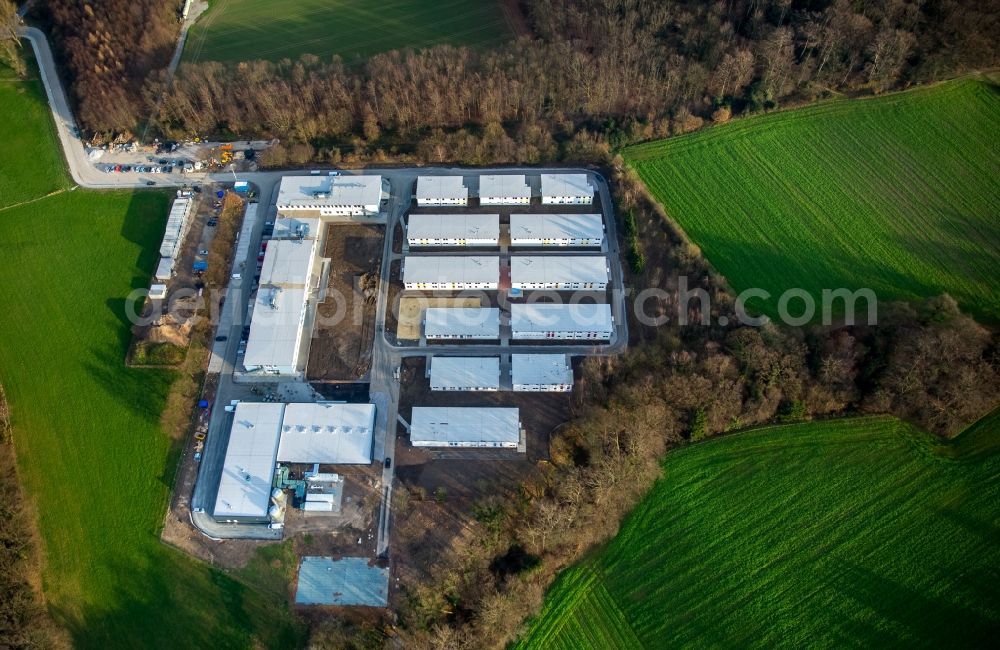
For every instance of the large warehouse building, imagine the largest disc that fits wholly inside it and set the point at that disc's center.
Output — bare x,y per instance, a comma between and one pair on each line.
504,189
451,272
327,433
462,323
452,426
453,230
559,272
556,230
245,485
566,189
330,195
541,373
465,373
556,321
441,190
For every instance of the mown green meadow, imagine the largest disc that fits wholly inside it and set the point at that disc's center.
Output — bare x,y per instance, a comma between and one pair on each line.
900,194
846,533
244,30
95,465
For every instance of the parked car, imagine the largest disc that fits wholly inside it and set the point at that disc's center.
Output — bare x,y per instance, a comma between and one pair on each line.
388,462
213,222
221,338
150,183
203,251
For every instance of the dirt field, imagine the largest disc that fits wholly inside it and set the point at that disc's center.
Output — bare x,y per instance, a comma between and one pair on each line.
411,312
341,347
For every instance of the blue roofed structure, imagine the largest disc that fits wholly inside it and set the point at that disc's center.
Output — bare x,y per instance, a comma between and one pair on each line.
348,581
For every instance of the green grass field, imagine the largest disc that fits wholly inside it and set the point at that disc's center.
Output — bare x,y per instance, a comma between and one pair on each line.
243,30
899,193
95,465
846,533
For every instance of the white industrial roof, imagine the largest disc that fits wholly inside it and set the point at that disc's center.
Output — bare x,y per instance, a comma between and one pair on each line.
288,262
465,372
558,269
480,322
540,369
553,317
566,185
305,191
274,327
445,424
327,433
453,226
556,226
451,268
245,485
441,187
296,227
505,185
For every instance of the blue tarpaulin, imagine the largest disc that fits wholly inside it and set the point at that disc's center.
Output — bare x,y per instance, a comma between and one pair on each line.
220,194
199,266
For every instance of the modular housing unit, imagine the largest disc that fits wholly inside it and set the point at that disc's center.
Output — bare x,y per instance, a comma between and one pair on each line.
451,272
504,189
541,373
462,323
558,321
441,190
566,189
556,230
465,373
178,224
454,426
245,484
559,272
165,269
330,195
327,433
453,230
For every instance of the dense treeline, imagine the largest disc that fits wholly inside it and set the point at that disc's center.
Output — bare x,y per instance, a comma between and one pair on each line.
596,74
109,50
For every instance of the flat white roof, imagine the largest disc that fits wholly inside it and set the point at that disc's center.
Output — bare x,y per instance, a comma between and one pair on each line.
556,226
451,268
326,433
566,185
444,424
305,191
296,227
505,185
288,262
274,327
453,226
245,485
465,372
482,322
553,317
540,369
558,269
441,187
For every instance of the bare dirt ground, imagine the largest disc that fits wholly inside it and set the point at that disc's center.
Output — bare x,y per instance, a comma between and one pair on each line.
345,325
411,312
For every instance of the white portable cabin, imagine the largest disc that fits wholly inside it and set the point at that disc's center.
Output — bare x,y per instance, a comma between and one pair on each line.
556,230
165,269
504,189
566,189
330,195
557,321
244,492
178,224
541,373
441,190
465,373
462,323
451,272
453,426
453,230
559,272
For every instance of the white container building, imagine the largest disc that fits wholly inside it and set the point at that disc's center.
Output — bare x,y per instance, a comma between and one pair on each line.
504,189
465,373
244,492
330,195
452,426
441,190
556,230
541,373
557,321
442,323
453,230
165,269
178,224
451,272
566,189
559,272
327,433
